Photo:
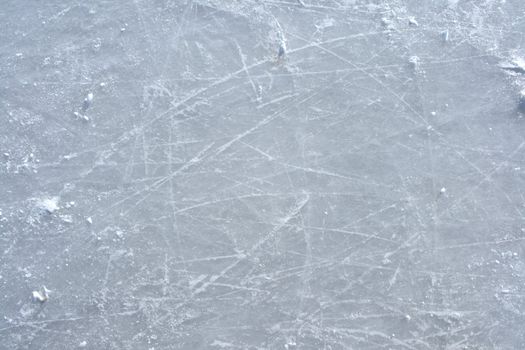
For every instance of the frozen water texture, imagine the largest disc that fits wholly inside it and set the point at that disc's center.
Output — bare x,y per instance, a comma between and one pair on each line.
277,174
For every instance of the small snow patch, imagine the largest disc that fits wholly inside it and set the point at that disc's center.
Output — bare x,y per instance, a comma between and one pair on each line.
70,156
81,116
68,219
515,65
41,296
412,22
49,205
222,344
415,62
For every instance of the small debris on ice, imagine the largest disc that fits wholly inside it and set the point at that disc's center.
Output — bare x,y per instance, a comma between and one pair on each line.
41,296
37,296
68,219
70,156
444,35
516,65
386,22
521,103
49,205
290,344
282,42
412,22
69,204
442,190
433,113
82,344
87,101
282,50
414,62
81,116
89,220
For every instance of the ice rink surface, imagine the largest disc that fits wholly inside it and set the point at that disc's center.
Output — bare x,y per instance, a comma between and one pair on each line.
336,174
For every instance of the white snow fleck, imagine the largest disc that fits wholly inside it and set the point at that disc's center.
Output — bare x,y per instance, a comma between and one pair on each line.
48,204
70,156
412,21
222,344
415,62
67,218
41,296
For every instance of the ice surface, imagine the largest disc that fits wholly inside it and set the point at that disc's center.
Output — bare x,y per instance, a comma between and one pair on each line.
280,174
